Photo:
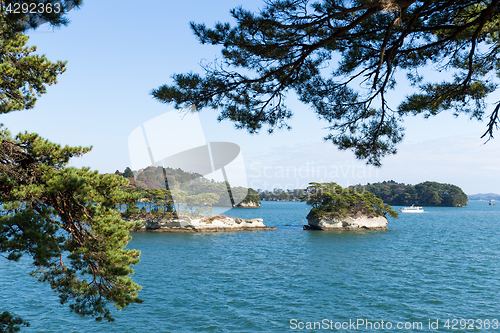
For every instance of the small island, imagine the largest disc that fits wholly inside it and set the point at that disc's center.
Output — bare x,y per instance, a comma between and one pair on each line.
337,208
155,188
185,223
252,200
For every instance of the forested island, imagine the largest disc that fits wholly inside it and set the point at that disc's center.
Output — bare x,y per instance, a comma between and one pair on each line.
392,193
423,194
177,201
152,184
337,208
157,186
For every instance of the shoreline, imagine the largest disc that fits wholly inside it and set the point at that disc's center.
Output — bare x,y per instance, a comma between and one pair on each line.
217,223
195,230
308,227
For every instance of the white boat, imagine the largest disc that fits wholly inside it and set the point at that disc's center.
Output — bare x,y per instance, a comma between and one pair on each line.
412,209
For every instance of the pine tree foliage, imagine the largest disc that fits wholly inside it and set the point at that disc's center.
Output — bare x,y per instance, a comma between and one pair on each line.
341,58
66,219
128,173
21,15
23,75
330,199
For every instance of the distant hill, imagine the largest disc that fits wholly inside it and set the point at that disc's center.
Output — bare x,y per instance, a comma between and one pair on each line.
485,196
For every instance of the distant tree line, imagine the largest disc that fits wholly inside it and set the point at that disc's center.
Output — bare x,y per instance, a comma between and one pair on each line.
156,177
279,194
152,180
423,194
392,193
486,196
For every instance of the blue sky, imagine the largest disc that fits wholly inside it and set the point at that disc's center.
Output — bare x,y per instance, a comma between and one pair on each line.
118,51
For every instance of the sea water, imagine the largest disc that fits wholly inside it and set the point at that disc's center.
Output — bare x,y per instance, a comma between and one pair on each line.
435,268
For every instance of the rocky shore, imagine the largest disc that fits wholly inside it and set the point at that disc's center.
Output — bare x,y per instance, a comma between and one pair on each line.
217,223
347,223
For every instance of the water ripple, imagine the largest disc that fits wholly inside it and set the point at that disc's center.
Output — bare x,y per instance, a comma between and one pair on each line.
442,264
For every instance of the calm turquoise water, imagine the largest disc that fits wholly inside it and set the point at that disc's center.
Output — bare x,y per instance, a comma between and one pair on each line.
443,264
